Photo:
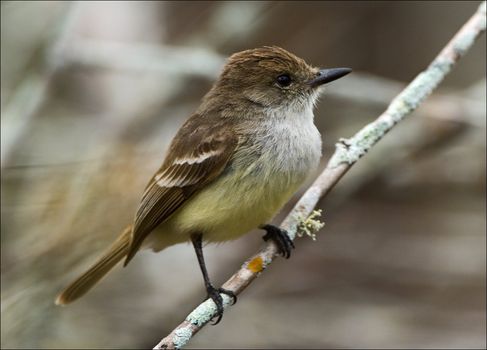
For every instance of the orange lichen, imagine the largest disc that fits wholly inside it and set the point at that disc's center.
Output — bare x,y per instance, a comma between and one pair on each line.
256,265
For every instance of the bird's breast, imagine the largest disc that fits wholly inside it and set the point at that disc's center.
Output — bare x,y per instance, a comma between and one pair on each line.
288,148
265,171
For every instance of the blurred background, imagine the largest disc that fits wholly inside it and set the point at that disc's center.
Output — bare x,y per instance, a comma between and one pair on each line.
93,92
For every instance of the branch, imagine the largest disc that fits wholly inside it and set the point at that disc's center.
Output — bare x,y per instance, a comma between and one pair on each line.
346,154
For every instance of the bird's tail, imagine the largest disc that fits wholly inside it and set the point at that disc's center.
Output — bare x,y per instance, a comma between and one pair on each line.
87,280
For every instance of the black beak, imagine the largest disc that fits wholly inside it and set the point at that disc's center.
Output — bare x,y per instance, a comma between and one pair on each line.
328,75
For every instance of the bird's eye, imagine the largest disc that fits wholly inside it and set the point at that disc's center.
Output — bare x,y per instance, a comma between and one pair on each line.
284,80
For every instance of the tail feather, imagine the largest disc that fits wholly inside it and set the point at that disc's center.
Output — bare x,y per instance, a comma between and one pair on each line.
87,280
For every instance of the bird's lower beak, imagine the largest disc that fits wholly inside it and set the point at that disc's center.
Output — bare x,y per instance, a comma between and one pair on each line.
328,75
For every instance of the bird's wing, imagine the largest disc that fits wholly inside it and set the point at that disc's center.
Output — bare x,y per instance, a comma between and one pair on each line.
198,154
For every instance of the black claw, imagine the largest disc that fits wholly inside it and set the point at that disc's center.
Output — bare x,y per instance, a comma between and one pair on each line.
229,293
280,237
214,294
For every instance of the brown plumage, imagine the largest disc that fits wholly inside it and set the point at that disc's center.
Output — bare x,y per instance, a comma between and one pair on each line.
95,273
177,179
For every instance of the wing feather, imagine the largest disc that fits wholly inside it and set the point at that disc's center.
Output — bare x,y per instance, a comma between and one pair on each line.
196,157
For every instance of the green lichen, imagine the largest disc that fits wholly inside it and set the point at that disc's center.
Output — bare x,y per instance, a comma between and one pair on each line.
350,150
182,337
206,311
464,42
310,225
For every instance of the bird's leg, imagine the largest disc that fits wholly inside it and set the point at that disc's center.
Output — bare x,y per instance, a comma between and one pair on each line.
213,293
280,237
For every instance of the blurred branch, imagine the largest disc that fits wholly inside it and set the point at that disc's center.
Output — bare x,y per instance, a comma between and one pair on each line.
136,58
370,89
346,154
232,21
32,92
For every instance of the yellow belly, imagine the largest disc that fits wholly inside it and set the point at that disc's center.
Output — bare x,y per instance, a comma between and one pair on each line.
227,208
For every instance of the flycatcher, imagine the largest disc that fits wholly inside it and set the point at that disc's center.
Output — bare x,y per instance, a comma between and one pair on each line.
234,163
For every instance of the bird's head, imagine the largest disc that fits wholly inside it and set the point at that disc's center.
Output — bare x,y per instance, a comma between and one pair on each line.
271,77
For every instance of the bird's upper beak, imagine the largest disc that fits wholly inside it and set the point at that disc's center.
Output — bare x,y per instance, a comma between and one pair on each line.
328,75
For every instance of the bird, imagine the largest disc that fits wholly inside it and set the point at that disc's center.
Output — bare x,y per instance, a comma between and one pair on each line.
233,164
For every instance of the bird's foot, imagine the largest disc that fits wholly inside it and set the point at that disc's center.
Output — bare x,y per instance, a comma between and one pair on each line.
214,294
280,237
